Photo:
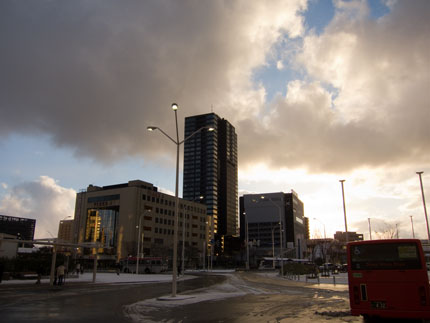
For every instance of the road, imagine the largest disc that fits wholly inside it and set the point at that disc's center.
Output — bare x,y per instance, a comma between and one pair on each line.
83,302
251,297
235,297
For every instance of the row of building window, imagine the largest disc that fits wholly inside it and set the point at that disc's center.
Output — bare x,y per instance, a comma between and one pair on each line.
171,232
172,222
172,204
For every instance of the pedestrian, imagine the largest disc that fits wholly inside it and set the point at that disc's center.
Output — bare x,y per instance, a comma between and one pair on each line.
39,274
82,269
60,273
78,268
118,268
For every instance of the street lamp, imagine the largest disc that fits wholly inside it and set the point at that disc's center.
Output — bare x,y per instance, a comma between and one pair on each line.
280,233
344,211
273,246
183,237
325,237
370,229
139,240
175,234
247,240
424,203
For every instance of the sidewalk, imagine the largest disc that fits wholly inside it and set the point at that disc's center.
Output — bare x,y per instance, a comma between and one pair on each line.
102,278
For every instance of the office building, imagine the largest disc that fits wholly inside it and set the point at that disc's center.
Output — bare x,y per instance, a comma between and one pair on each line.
265,214
211,173
111,215
22,228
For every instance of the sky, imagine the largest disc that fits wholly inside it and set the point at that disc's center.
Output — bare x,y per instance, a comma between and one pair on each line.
318,91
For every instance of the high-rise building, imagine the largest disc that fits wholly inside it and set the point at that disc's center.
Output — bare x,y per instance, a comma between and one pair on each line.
211,173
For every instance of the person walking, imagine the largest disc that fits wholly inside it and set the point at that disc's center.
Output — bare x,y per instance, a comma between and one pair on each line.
78,268
39,274
60,273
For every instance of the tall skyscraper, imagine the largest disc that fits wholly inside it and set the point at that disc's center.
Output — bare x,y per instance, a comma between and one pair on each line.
211,173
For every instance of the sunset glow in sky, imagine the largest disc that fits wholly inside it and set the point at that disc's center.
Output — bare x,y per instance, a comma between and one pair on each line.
317,90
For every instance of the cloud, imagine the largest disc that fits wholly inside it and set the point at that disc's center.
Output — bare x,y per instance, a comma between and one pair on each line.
43,200
93,75
364,101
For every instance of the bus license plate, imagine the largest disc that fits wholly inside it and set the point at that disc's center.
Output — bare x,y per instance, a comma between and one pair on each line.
380,305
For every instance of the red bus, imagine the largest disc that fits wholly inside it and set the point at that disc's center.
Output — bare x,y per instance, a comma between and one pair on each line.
388,279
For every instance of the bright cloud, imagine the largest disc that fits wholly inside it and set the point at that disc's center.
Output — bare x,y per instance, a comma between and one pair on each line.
386,196
365,102
43,200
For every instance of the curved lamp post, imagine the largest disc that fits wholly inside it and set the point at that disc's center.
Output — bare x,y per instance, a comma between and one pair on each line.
175,235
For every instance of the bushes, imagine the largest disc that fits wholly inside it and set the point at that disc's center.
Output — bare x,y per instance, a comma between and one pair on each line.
39,262
300,269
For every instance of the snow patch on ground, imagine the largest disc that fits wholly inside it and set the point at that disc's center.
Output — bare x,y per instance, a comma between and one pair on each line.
233,287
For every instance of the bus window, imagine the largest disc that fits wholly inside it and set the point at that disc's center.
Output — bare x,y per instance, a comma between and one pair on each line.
385,256
388,278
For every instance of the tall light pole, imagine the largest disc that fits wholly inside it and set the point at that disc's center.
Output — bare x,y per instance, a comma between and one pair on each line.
138,244
273,247
344,210
280,233
139,241
247,240
370,229
412,223
175,234
325,237
183,238
424,203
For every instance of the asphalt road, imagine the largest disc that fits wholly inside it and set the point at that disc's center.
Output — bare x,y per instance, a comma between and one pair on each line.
83,302
238,297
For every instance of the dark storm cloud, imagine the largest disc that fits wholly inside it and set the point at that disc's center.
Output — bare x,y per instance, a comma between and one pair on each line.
93,74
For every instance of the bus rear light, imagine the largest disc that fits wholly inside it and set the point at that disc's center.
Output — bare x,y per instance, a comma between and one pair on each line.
423,296
356,295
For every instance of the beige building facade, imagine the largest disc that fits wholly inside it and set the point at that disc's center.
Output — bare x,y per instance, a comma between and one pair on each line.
111,215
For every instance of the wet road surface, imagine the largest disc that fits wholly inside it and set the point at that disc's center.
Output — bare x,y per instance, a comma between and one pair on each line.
236,297
83,302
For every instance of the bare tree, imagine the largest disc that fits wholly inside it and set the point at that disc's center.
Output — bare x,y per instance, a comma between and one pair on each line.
386,231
